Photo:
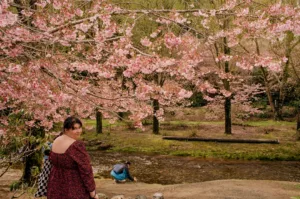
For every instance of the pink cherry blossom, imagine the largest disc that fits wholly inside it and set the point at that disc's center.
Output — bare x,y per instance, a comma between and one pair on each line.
171,40
7,19
146,42
79,12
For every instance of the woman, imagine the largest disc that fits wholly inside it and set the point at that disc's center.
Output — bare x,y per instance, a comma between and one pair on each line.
71,176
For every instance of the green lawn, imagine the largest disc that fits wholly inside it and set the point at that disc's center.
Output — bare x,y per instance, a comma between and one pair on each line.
124,139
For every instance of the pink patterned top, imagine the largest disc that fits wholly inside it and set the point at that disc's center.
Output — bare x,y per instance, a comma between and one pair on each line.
71,176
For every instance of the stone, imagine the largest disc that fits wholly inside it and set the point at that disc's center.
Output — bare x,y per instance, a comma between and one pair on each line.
140,197
118,197
102,196
158,196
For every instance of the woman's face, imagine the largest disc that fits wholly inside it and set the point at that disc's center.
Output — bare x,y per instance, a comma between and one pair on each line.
75,132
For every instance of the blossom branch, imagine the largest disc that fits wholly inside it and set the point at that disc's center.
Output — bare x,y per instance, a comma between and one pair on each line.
148,55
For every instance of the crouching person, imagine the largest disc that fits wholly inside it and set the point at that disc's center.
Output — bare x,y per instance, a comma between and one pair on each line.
120,172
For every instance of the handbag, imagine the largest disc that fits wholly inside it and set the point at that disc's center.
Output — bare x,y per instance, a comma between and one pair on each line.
43,179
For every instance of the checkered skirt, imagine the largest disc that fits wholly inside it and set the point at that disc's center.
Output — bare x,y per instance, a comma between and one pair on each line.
43,179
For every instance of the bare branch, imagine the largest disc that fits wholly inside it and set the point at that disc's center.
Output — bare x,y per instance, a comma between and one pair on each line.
243,47
15,158
298,42
142,52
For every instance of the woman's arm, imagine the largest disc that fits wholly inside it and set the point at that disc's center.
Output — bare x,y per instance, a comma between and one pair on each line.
81,157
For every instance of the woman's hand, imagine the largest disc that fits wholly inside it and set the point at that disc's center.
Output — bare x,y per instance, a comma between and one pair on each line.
93,194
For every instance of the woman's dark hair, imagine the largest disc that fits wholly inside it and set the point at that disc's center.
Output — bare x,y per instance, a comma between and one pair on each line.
71,121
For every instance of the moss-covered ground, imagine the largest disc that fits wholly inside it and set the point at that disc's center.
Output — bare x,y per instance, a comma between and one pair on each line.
124,138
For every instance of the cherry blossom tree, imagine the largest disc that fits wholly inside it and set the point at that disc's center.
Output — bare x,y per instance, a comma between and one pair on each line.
55,58
243,26
59,59
278,36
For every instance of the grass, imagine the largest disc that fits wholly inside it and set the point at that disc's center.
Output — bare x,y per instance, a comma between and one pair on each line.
105,123
124,139
269,123
190,123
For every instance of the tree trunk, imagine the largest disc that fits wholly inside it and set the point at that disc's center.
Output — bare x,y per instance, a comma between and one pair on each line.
227,104
99,128
268,91
282,92
121,116
155,120
227,116
35,158
278,111
267,84
159,80
298,125
285,75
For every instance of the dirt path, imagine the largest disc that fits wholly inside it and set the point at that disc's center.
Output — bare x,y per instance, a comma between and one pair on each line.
219,189
222,189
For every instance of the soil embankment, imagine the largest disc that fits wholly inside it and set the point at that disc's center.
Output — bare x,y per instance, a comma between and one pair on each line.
219,189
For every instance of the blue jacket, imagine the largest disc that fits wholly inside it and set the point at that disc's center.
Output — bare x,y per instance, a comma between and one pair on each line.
119,168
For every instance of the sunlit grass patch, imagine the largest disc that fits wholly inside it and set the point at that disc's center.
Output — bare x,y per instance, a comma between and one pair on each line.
270,123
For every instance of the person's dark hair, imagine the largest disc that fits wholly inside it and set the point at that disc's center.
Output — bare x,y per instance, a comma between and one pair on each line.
127,162
71,121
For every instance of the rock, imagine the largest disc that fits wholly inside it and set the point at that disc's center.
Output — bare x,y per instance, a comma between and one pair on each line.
104,146
158,196
118,197
102,196
140,197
